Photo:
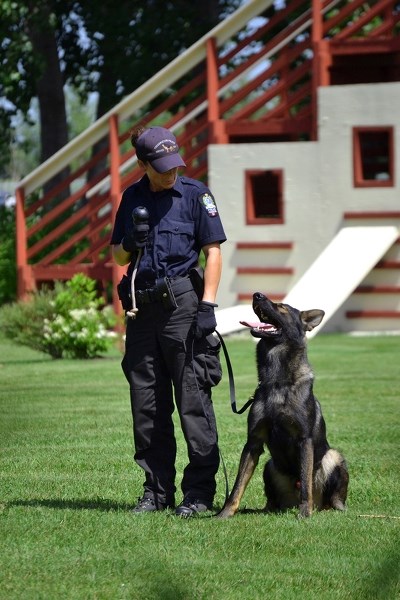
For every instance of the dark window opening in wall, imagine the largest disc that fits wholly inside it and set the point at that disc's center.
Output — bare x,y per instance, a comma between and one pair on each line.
373,156
264,197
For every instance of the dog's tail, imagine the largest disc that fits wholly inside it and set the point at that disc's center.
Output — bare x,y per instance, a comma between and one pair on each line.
332,480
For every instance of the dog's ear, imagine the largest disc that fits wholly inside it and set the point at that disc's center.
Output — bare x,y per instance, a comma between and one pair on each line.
311,318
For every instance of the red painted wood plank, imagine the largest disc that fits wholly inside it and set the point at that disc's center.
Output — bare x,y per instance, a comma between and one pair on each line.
372,289
264,245
388,264
249,297
373,314
372,215
54,272
264,271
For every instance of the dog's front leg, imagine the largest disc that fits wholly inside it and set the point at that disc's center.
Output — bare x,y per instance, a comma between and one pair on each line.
248,462
306,477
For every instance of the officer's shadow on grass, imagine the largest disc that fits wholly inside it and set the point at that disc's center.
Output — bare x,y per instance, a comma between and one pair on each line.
101,504
105,505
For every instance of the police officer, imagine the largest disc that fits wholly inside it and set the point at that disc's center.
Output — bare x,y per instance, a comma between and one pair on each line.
169,350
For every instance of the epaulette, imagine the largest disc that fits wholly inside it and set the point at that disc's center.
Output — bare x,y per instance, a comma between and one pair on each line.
194,183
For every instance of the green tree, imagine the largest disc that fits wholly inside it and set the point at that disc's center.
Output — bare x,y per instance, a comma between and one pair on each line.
93,47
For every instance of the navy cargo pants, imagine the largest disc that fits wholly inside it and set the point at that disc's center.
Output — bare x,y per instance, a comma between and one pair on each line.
159,367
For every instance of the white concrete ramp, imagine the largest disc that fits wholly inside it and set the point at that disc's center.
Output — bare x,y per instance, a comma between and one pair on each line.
340,268
331,279
228,319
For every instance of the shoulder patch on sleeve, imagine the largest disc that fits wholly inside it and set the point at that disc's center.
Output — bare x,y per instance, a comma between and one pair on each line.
209,204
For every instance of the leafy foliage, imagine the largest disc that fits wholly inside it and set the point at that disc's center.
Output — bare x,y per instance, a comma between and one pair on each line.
64,322
8,274
98,49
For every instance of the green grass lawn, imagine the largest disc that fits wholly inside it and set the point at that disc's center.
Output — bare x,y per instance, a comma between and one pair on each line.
68,481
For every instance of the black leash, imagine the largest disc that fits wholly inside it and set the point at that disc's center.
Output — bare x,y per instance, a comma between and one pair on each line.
232,392
233,402
232,395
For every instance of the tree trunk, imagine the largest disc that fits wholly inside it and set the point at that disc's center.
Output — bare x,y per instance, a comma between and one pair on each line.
50,92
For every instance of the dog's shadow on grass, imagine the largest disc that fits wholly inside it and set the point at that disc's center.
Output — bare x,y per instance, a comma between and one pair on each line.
101,504
241,511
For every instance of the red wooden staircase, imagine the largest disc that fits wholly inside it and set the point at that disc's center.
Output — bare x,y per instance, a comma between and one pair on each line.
254,77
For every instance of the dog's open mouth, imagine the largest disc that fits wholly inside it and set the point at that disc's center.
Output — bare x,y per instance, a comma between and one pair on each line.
257,327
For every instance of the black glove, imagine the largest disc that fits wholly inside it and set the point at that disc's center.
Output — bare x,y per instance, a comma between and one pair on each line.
206,322
136,238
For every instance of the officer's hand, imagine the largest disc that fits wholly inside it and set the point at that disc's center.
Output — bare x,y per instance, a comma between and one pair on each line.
136,238
206,322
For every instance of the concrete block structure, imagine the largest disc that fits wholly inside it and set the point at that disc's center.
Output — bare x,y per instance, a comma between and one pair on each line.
320,195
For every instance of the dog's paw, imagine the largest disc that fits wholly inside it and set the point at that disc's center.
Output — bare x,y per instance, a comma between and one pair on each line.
337,504
305,511
225,513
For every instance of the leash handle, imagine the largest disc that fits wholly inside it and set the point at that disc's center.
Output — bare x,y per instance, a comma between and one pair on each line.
232,391
133,312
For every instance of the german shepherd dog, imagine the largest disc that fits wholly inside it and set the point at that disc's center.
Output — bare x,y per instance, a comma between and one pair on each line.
303,471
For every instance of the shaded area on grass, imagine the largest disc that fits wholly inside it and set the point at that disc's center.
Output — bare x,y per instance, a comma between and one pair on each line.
101,504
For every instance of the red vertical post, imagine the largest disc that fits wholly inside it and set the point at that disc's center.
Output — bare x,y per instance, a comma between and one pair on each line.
115,190
25,282
316,21
217,133
212,80
320,75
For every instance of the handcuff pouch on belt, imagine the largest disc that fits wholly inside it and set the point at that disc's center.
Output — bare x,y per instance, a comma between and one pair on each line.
165,293
160,292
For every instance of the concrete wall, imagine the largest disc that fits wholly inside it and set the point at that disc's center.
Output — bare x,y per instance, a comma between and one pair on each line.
318,180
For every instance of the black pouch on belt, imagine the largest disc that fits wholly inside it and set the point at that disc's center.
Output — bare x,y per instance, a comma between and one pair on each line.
165,293
124,292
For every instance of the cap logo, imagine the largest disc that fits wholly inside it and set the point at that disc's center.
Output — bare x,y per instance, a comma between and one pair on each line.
169,148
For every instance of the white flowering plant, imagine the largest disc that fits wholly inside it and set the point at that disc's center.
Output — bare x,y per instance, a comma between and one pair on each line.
69,321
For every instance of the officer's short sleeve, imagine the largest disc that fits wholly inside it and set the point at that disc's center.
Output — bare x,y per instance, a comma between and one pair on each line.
210,229
119,224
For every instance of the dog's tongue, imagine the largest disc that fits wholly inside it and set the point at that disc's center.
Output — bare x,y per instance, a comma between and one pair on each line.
257,325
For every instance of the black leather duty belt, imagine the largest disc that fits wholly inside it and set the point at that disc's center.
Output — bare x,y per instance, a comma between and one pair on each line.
178,285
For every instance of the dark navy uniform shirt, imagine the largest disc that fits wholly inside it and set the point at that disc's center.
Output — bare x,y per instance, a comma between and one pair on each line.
182,220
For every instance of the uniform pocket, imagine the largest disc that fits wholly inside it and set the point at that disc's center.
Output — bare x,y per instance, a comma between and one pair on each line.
179,235
206,361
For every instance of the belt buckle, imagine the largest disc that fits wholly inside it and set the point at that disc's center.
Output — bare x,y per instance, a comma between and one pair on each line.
141,296
152,294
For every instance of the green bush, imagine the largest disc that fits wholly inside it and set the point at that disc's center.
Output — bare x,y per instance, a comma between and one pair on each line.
66,322
8,273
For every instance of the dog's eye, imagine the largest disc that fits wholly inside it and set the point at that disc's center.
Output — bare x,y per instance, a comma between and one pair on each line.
282,308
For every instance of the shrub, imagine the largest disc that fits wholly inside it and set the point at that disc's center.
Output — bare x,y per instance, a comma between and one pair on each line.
66,322
8,272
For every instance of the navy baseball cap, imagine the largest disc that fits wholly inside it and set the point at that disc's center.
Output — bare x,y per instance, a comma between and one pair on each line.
159,147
